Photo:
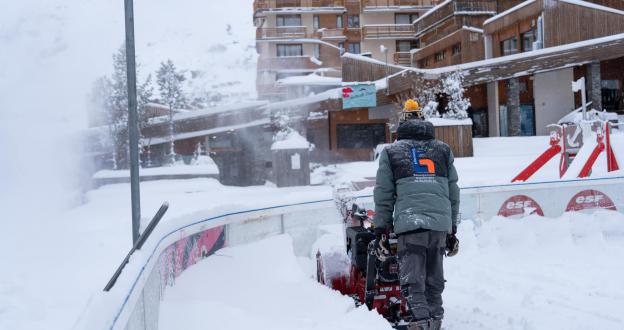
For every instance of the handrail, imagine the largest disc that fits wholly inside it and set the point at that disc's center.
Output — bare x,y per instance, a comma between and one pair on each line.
139,244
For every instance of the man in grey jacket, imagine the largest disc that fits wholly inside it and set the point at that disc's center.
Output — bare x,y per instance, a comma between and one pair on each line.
416,196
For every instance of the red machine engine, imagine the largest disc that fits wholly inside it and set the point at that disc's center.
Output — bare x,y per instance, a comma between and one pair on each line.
371,280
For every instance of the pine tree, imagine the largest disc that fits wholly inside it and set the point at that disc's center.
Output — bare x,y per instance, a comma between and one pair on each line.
116,90
169,82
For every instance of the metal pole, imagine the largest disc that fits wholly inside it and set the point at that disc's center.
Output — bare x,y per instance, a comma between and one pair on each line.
583,98
133,128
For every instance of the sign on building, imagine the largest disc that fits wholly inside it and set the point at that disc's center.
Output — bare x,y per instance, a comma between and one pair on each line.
359,96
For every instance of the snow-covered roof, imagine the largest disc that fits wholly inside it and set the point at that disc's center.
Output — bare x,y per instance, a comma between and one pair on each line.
244,106
189,135
315,10
312,79
508,58
293,140
509,11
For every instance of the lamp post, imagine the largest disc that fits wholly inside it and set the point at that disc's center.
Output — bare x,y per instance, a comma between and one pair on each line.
133,128
384,50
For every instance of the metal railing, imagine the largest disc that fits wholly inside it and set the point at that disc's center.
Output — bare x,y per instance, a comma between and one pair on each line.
399,3
275,4
451,8
388,31
282,32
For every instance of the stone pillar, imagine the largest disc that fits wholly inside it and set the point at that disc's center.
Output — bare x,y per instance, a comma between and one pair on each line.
493,109
594,87
513,106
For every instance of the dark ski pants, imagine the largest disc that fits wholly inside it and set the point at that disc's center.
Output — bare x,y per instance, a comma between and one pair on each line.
422,275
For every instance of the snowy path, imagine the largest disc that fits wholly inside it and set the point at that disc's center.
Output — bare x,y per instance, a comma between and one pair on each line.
533,273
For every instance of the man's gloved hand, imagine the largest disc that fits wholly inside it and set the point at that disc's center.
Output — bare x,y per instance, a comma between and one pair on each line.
382,246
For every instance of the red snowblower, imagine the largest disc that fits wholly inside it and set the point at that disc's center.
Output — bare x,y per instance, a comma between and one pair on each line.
370,280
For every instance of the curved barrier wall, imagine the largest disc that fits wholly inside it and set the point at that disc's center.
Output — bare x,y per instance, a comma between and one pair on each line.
134,301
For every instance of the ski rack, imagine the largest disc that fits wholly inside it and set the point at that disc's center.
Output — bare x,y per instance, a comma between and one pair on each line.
567,140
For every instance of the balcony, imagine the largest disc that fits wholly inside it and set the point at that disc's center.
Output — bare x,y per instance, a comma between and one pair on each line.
403,58
388,31
302,63
334,34
458,7
266,5
373,5
282,32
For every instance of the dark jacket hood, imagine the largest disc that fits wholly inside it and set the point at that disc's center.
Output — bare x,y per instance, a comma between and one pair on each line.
416,129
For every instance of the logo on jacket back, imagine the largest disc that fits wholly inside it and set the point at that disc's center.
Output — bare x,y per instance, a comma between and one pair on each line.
422,165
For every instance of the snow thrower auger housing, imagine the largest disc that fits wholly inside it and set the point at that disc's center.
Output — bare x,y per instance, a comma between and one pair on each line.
369,279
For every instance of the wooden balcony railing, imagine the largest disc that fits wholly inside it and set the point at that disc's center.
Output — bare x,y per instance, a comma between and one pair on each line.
388,31
275,4
453,8
403,58
399,3
283,32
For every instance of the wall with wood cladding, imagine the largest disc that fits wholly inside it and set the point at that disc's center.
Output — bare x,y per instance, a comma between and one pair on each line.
566,23
459,138
361,70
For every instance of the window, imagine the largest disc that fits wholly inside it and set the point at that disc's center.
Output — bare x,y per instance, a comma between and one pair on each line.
405,18
317,51
339,21
405,46
457,49
354,48
360,136
289,50
341,46
353,21
288,20
509,46
440,56
528,38
316,22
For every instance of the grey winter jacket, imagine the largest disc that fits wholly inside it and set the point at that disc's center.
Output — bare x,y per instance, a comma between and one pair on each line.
416,185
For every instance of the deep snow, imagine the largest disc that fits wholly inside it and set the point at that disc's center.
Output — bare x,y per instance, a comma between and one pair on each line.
529,273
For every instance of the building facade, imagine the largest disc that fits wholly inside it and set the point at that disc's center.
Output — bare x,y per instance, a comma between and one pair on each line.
307,37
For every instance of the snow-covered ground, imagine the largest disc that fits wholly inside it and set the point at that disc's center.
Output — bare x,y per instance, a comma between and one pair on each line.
496,161
529,273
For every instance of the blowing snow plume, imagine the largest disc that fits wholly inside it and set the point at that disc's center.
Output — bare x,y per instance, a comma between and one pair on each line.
53,51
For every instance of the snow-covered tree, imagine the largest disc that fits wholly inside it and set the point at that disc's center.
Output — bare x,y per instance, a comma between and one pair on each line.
457,104
169,81
115,91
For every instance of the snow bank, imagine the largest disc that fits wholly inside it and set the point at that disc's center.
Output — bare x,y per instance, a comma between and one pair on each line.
207,169
528,273
259,286
538,273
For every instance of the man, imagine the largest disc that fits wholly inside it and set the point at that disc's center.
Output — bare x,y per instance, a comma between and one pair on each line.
416,196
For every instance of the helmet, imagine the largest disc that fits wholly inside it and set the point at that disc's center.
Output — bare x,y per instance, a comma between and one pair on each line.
411,110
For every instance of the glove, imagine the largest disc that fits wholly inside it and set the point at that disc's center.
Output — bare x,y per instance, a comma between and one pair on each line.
452,245
382,245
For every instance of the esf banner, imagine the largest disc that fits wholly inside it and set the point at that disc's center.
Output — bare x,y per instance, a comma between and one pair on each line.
359,96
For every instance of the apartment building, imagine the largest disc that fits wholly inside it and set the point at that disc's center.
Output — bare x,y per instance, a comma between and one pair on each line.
307,37
526,104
